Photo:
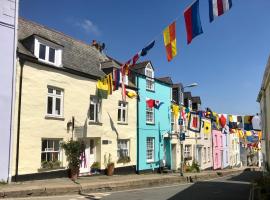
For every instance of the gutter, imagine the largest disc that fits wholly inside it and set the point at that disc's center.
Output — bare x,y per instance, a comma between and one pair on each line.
19,121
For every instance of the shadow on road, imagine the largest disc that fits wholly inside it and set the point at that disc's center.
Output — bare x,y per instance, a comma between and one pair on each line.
234,188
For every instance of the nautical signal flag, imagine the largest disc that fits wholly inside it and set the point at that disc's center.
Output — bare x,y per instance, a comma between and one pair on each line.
170,41
218,7
193,21
143,52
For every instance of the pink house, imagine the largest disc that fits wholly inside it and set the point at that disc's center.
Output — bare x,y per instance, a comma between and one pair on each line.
217,149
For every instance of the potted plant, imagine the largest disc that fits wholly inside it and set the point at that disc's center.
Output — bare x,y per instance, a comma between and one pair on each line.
73,151
95,168
109,165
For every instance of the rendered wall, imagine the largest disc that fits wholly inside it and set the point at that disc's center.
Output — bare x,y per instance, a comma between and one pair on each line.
8,25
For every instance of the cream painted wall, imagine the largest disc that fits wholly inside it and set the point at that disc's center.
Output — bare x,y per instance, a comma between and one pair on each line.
77,91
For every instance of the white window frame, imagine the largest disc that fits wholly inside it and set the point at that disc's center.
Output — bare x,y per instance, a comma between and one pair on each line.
187,151
150,149
57,56
150,112
48,150
54,96
94,100
122,146
172,121
123,107
150,81
125,79
181,97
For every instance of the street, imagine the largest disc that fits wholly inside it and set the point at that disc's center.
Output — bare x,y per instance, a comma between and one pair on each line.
235,187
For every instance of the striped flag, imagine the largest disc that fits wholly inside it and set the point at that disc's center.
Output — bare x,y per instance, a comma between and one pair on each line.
170,41
218,7
193,21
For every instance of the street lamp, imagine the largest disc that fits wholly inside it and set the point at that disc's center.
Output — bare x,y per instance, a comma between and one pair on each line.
181,142
190,85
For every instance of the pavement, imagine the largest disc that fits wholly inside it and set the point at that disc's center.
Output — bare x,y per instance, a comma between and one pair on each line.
102,184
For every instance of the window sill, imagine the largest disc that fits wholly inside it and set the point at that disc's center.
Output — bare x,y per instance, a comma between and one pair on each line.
149,90
122,123
149,123
54,117
95,123
50,169
150,161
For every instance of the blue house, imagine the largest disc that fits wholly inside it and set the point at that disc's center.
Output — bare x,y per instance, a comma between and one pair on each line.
154,119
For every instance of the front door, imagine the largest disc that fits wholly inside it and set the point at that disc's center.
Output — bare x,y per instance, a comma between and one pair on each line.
84,166
199,154
92,152
174,164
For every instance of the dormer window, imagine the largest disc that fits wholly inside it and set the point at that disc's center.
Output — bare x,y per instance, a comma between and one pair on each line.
46,52
150,82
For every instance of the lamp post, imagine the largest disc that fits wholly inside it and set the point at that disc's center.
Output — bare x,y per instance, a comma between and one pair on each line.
181,128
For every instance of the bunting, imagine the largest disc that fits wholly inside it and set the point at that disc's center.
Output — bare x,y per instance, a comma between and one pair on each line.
170,41
218,8
193,21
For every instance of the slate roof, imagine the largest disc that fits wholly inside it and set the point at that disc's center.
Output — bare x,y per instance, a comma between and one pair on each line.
187,95
77,55
166,80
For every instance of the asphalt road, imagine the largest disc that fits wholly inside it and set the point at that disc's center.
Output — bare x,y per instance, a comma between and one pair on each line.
225,188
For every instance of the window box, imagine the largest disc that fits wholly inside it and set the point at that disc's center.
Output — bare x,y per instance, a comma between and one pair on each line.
50,165
125,159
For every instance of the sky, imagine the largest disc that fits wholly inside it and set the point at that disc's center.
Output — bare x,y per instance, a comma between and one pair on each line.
227,60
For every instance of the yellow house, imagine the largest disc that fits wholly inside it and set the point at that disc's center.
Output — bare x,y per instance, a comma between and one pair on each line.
264,100
56,100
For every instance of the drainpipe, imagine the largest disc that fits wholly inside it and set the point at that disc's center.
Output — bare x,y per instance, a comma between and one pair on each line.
19,120
137,105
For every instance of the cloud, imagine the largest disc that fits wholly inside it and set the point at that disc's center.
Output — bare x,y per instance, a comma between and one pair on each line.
89,27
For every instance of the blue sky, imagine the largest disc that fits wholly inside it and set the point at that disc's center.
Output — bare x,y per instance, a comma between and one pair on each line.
227,60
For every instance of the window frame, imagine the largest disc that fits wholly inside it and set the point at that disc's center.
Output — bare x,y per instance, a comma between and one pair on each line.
54,96
149,111
94,100
172,122
121,107
51,151
58,51
187,151
152,139
150,81
127,147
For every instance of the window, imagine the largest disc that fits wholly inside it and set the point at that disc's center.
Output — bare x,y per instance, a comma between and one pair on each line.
172,121
181,97
122,112
209,154
50,150
122,148
150,147
55,102
94,110
150,82
125,79
187,151
47,53
204,154
150,115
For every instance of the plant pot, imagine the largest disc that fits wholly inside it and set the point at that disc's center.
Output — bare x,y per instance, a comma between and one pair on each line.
74,173
110,170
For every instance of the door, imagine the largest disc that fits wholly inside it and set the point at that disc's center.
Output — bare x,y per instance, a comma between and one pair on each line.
84,166
174,165
92,152
221,158
199,154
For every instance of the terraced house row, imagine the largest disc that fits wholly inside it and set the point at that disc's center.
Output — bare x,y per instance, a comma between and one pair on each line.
56,100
